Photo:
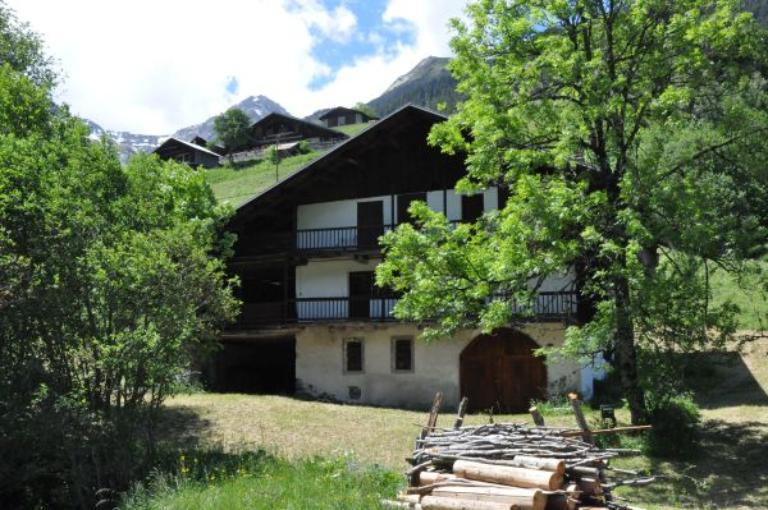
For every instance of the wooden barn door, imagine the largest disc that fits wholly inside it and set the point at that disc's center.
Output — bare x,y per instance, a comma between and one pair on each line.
499,371
360,293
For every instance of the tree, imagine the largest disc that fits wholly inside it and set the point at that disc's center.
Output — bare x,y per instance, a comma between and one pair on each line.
366,109
232,129
628,135
112,286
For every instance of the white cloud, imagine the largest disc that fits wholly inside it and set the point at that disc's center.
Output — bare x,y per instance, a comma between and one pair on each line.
153,67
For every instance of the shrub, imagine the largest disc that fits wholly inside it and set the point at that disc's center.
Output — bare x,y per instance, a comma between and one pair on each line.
675,423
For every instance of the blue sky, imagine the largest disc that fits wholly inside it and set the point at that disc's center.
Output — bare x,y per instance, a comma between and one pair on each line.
127,68
373,35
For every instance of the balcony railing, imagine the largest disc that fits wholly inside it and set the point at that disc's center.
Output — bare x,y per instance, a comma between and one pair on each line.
546,306
340,238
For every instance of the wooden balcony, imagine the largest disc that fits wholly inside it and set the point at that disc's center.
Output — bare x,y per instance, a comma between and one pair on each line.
548,306
317,242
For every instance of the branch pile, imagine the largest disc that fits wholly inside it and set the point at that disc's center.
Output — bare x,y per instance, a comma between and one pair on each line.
508,466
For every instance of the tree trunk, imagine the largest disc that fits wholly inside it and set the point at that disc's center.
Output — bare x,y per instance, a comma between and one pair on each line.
626,354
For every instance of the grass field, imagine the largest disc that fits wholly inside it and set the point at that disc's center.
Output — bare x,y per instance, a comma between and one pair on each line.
730,473
746,292
235,184
353,129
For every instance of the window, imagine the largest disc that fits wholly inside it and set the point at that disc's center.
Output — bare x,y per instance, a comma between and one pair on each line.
404,202
402,354
471,207
353,355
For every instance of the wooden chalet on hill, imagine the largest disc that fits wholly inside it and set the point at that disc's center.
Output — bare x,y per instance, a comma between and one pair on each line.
312,319
202,142
280,129
341,116
187,152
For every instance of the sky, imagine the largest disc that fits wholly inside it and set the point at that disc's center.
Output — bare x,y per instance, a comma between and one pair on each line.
154,66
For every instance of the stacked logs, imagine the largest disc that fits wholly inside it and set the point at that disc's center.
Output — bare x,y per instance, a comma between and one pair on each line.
508,466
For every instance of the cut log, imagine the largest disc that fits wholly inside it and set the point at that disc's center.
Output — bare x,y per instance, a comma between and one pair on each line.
538,419
508,475
524,499
561,502
586,434
540,463
440,503
433,413
590,486
430,477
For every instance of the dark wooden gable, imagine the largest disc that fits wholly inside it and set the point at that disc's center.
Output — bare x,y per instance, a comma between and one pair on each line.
390,158
349,115
278,128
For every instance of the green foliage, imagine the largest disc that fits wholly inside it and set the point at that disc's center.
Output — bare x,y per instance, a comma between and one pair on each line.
232,129
631,135
22,50
675,421
207,480
112,286
304,147
366,109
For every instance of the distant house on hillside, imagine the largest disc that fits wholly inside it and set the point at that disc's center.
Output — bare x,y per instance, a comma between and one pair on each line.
187,152
277,128
341,116
314,322
202,142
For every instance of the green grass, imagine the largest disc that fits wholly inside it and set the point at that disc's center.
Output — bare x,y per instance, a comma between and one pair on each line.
352,129
216,480
236,184
746,292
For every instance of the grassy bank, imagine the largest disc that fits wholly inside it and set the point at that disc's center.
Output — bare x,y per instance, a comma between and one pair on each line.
236,184
217,480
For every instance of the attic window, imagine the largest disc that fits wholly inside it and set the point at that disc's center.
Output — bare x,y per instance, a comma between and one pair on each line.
353,355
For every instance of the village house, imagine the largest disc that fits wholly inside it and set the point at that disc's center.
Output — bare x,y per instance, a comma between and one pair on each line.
341,116
276,128
312,320
187,152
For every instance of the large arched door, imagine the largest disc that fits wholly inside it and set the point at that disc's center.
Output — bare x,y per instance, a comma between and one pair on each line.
499,371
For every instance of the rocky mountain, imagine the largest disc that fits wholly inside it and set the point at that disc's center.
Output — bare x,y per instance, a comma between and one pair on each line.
127,143
428,84
255,106
130,143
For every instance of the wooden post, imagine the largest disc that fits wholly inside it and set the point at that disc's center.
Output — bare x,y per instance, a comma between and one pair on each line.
461,412
538,419
586,434
432,420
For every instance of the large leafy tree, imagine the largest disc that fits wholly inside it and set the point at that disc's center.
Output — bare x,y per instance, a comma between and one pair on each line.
629,135
231,129
112,286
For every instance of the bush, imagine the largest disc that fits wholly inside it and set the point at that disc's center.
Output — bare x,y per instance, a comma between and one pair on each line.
675,423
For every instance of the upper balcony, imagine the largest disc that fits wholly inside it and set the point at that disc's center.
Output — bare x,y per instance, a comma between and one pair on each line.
547,306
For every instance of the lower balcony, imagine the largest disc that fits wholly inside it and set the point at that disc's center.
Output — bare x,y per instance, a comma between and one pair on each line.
547,306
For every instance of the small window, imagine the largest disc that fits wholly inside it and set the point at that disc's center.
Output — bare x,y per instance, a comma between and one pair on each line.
353,355
402,354
471,207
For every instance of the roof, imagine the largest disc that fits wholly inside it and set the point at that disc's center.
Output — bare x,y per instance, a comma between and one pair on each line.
310,125
188,144
343,147
343,109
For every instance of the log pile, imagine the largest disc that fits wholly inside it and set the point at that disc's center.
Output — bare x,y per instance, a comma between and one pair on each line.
507,466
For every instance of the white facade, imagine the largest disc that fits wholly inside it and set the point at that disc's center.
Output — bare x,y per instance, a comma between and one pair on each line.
320,364
343,213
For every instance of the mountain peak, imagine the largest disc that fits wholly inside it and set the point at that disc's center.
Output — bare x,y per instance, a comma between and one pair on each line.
428,84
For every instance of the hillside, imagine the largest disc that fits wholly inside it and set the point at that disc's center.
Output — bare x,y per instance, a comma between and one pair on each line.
428,84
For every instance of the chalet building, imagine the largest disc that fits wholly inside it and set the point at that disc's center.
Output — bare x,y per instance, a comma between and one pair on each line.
280,129
341,116
313,322
187,152
202,142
